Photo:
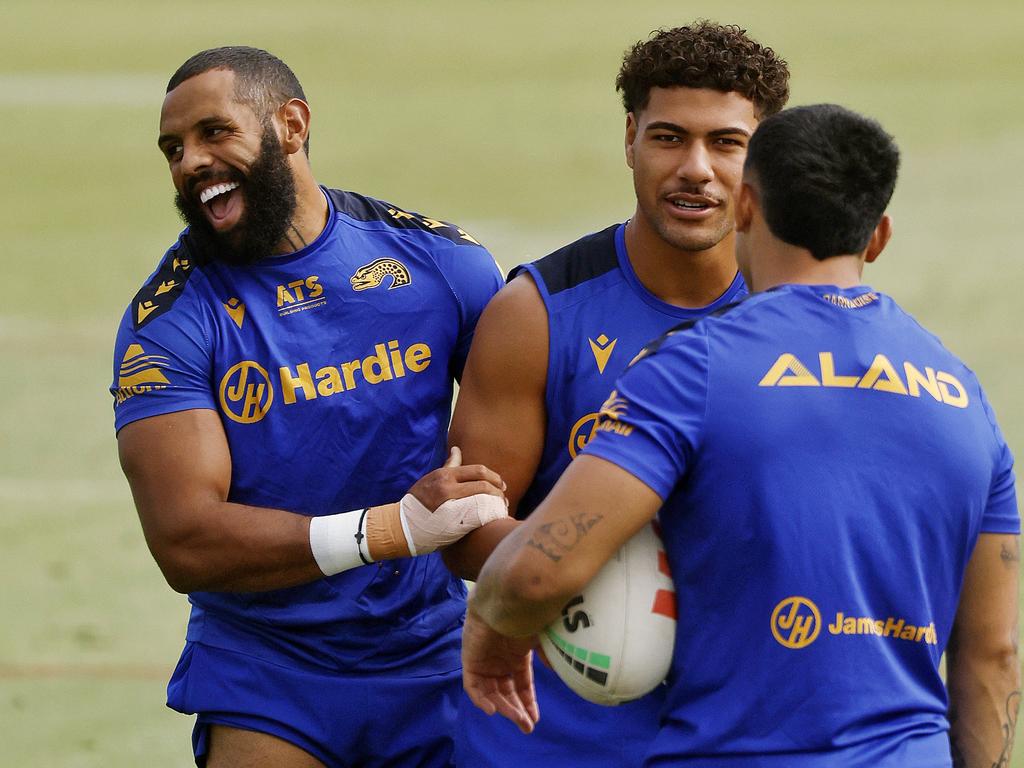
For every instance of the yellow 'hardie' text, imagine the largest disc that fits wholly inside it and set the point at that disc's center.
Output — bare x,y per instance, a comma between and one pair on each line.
387,363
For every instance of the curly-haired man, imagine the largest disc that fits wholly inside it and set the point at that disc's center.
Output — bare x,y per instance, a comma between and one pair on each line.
530,400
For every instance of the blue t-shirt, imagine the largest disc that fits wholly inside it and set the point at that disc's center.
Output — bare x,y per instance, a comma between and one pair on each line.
332,371
827,466
599,317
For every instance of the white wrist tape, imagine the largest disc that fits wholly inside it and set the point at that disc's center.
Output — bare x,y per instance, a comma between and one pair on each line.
426,531
339,541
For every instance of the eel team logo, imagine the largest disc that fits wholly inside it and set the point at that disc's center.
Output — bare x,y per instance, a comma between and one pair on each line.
602,347
796,622
373,275
139,373
246,392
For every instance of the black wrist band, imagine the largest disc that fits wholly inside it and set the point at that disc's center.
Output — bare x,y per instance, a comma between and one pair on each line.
359,536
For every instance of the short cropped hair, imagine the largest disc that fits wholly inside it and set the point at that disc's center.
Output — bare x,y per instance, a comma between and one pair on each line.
262,80
824,176
704,55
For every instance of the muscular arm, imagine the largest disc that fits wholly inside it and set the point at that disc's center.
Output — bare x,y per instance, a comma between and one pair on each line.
982,665
179,468
500,416
593,510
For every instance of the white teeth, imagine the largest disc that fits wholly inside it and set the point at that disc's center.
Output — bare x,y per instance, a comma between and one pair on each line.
691,206
217,189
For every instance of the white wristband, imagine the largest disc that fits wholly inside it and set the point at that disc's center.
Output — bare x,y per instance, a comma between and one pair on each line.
337,541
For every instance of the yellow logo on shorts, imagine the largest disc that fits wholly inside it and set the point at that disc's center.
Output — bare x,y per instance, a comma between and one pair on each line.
243,400
796,622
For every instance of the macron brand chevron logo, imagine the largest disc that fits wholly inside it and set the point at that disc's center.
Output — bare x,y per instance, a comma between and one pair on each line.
602,347
139,373
236,309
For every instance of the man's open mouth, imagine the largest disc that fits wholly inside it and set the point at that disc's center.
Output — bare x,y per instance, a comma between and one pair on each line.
220,201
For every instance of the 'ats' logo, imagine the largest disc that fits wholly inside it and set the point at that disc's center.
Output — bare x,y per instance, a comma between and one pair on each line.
246,392
376,272
300,295
796,622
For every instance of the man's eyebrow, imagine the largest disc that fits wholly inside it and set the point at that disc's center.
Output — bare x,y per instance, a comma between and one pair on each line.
664,125
731,130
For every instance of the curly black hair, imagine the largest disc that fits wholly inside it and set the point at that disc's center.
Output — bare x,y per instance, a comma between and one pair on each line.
704,55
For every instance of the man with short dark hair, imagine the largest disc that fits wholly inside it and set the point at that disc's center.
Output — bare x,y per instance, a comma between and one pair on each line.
284,373
836,501
529,402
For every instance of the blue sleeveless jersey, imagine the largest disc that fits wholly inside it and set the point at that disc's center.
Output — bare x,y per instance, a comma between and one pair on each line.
331,369
827,467
599,317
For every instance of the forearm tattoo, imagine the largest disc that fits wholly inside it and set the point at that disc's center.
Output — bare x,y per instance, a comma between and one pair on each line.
558,538
1009,729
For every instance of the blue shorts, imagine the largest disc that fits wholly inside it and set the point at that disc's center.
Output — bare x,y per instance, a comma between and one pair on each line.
571,731
342,720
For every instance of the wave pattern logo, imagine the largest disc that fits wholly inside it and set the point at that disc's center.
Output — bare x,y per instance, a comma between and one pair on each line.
243,400
139,373
796,622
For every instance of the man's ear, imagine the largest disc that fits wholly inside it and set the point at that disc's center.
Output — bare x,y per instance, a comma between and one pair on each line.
879,239
630,137
746,201
294,117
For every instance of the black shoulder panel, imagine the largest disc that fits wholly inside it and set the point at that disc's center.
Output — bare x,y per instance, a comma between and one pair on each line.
157,296
585,259
685,325
364,208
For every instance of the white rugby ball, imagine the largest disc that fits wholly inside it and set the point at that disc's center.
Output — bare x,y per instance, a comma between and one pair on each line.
613,643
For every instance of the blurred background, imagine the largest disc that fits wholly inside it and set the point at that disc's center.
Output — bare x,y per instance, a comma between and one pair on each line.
501,116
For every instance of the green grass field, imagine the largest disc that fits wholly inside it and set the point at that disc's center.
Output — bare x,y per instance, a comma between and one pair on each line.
501,116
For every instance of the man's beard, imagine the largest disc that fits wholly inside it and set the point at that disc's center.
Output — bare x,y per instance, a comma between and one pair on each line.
268,196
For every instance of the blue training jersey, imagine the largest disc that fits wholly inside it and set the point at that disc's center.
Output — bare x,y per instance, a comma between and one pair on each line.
827,466
332,370
599,317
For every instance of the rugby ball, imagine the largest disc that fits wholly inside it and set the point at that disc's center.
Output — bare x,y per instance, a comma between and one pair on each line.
613,642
